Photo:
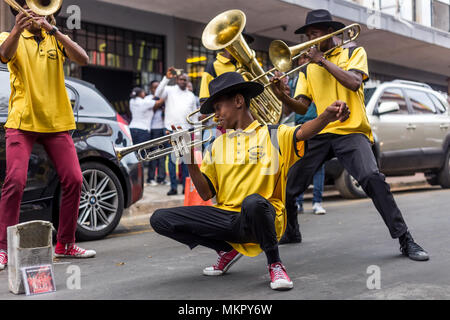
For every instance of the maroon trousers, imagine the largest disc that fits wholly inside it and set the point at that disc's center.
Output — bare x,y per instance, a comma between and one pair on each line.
61,151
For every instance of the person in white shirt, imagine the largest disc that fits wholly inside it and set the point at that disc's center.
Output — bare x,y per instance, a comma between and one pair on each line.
141,115
179,103
157,131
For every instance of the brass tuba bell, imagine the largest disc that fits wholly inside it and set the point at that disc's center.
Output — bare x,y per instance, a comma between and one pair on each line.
225,32
40,7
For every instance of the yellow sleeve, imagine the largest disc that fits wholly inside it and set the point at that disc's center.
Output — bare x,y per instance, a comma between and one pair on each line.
291,149
302,86
208,168
204,85
358,62
3,37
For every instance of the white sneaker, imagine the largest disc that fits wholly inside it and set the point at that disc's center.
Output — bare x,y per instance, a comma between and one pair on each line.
153,183
71,250
318,209
279,278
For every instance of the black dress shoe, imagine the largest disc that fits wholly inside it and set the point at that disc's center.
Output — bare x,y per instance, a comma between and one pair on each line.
172,192
411,249
291,238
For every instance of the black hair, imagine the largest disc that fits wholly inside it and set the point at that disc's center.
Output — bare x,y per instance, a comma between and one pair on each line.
153,81
136,92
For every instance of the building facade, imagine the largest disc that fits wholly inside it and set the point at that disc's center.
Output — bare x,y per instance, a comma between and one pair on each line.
134,43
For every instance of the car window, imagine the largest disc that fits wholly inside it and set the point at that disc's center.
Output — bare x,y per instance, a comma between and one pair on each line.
5,92
92,103
421,102
395,95
437,103
368,93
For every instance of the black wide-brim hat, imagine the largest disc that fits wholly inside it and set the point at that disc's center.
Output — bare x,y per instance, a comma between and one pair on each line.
226,83
22,3
319,17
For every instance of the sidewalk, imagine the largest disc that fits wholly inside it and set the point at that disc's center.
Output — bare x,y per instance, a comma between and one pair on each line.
156,197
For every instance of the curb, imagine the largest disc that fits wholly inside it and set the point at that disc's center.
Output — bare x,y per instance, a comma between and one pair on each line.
143,209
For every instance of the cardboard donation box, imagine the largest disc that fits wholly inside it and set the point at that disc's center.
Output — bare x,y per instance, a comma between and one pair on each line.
29,246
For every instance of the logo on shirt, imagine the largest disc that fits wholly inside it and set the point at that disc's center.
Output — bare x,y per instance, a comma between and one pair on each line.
52,54
256,153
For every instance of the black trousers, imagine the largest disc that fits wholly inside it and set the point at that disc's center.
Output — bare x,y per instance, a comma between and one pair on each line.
355,154
212,227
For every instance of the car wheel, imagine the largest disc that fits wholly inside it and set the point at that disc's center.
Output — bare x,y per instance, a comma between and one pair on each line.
101,203
348,187
444,173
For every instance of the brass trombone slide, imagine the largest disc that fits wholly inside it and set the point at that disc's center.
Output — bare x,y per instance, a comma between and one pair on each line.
282,56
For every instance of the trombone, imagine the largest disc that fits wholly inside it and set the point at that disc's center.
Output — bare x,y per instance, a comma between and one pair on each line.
40,7
180,143
282,56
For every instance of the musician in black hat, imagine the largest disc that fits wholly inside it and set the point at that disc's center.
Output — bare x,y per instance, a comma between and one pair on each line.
245,169
224,62
339,75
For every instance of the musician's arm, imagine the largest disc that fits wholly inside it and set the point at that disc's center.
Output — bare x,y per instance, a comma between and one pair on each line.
73,51
337,111
350,79
199,180
9,47
299,105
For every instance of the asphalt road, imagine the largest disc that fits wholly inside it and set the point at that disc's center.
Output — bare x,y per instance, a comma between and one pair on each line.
333,261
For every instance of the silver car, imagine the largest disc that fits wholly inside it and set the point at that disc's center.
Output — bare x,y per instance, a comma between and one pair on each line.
411,127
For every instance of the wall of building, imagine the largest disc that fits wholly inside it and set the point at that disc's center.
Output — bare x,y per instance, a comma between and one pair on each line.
6,18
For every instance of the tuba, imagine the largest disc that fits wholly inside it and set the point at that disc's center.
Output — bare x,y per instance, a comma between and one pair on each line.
225,32
41,7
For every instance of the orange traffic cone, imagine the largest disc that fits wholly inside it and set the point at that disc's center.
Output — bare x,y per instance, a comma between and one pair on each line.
191,196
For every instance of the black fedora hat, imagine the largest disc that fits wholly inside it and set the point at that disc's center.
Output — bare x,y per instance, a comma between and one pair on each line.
320,17
226,83
23,3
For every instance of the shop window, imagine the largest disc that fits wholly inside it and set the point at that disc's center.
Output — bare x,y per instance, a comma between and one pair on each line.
117,48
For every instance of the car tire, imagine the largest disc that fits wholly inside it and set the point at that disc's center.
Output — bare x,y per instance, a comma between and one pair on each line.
101,203
348,187
444,174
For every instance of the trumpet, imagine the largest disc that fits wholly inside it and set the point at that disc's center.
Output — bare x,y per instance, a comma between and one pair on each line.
40,7
180,144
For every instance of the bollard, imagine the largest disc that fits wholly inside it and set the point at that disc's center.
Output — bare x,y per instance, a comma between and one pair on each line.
29,244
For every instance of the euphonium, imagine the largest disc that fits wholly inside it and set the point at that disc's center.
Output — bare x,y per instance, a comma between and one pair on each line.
225,32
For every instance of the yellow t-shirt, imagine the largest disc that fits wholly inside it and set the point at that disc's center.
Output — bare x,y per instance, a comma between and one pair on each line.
39,100
213,70
245,162
320,86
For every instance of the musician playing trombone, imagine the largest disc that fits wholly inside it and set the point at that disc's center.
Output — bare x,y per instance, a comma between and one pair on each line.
339,76
245,169
40,112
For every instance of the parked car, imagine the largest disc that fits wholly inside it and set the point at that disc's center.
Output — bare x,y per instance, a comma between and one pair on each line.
109,186
411,127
